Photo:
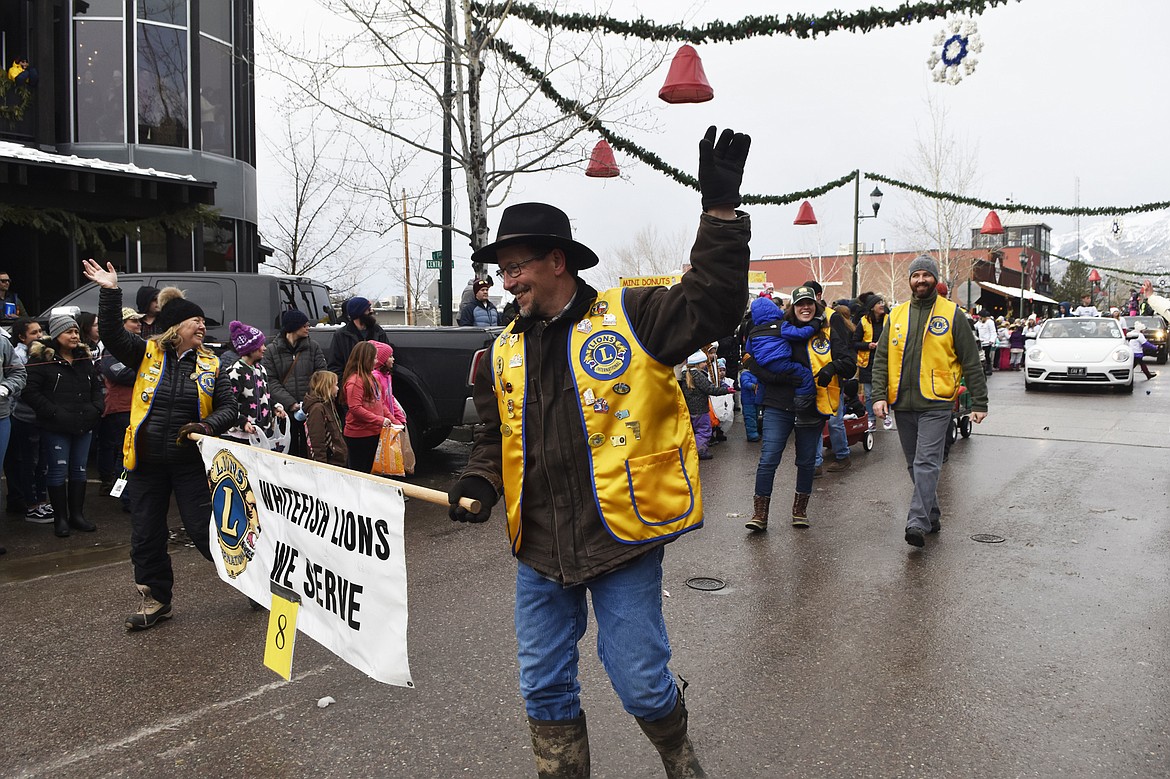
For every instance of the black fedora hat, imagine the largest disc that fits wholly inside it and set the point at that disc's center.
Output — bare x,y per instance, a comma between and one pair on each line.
528,222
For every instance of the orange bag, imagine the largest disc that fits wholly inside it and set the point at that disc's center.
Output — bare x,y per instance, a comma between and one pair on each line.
388,460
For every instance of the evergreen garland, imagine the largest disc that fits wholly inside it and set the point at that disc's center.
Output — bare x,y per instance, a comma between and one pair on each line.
987,204
1119,271
93,235
799,25
573,108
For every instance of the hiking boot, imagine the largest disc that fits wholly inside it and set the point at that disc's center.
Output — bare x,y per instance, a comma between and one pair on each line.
840,465
914,537
935,525
800,509
759,520
150,613
818,472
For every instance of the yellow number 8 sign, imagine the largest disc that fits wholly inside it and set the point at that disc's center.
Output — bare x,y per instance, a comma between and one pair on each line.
282,630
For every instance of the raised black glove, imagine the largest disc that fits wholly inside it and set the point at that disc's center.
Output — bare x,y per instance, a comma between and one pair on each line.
826,374
817,323
721,167
189,428
476,488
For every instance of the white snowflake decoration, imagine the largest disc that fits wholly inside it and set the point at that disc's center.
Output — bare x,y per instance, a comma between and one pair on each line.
1117,228
954,47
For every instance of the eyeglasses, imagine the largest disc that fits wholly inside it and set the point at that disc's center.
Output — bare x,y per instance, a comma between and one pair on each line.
5,281
513,268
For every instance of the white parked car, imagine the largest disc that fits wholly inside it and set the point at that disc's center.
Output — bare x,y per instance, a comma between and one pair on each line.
1086,351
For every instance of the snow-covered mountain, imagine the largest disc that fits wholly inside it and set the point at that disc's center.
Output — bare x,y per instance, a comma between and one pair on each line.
1142,243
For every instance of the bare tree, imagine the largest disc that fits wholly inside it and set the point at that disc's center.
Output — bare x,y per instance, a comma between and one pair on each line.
942,162
384,74
317,226
649,253
421,279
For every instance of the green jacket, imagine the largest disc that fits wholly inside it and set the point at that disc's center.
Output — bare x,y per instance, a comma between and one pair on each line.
966,349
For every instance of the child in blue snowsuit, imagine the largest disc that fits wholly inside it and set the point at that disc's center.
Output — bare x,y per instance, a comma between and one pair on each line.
752,398
770,344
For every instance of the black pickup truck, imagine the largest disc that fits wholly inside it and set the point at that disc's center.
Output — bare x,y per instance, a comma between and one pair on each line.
434,366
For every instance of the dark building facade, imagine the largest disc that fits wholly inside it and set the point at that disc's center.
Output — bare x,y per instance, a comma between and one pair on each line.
146,109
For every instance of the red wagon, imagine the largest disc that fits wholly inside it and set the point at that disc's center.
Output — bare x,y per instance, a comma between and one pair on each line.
856,432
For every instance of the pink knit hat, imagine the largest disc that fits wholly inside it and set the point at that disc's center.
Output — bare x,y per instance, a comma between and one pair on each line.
383,353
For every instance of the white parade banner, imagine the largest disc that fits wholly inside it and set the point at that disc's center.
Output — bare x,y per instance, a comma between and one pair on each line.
333,537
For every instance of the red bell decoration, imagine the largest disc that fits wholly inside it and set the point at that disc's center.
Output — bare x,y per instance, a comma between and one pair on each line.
1094,276
805,215
602,165
685,81
992,225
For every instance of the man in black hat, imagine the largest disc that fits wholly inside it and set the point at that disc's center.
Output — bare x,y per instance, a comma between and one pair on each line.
923,354
587,437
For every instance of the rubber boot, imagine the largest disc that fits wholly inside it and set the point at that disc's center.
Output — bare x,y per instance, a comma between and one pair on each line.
59,498
759,520
561,748
77,519
669,737
800,509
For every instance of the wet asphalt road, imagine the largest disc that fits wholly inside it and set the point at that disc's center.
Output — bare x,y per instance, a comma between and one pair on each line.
833,652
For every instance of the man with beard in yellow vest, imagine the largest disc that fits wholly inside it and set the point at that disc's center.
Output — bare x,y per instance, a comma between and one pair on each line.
924,353
587,436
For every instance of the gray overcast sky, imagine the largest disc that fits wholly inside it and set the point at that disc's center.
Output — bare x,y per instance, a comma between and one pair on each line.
1063,89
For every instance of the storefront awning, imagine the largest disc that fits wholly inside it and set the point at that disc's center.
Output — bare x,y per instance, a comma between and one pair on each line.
1014,292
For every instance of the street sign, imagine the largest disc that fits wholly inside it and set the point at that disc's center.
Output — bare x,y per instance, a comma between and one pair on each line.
435,264
437,255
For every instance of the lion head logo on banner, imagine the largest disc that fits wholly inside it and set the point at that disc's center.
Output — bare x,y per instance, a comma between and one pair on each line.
233,505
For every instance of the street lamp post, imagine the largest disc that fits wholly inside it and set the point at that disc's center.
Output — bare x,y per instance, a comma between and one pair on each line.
1023,279
875,200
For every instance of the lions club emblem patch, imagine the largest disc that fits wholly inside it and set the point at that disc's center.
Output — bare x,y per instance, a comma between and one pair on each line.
233,505
938,325
605,356
820,344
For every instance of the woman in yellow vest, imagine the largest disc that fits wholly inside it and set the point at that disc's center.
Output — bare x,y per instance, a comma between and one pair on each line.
865,339
828,355
179,390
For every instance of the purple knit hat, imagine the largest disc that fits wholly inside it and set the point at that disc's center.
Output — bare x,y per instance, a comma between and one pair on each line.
245,338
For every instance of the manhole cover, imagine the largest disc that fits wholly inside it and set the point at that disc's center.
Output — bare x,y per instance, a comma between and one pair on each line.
706,583
988,538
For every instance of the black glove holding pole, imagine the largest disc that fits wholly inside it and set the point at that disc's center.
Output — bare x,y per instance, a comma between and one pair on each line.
476,488
826,374
721,167
192,427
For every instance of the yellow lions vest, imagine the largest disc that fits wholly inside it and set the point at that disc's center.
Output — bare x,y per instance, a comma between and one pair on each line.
146,383
867,336
820,354
643,459
939,371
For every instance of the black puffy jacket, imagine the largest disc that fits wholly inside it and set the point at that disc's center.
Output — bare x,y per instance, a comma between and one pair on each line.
176,401
67,398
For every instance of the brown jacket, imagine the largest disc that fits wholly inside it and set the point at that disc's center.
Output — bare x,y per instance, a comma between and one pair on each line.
323,432
563,536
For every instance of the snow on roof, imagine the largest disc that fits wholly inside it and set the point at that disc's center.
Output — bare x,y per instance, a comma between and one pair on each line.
15,151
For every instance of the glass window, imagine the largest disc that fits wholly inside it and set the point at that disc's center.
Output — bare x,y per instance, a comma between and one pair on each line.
100,94
215,18
219,247
154,252
112,8
166,11
162,86
215,96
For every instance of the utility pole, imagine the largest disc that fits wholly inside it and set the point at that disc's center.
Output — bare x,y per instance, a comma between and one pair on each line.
445,286
406,259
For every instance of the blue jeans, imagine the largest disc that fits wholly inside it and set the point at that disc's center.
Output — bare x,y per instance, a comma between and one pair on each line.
751,420
551,619
66,455
838,439
778,426
5,434
867,388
